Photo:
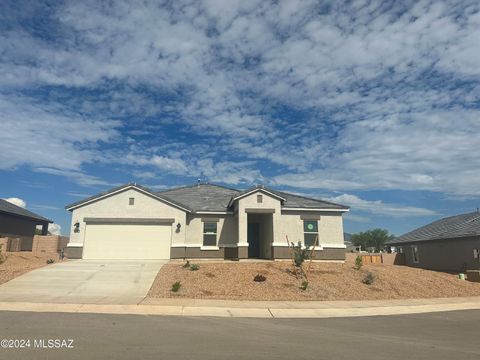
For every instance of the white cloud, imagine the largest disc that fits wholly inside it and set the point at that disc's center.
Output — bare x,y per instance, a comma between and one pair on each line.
55,229
17,201
341,95
380,208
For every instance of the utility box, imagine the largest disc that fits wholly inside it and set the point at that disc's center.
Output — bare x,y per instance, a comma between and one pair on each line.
473,275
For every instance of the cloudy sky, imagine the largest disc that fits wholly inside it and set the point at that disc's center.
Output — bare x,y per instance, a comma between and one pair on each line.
368,103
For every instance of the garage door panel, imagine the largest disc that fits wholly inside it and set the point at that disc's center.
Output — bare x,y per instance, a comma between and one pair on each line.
127,242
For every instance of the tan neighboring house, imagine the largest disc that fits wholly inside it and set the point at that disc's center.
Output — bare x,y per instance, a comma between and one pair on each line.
202,221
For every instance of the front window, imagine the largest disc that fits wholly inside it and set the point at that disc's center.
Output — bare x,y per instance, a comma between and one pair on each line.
310,232
209,234
416,259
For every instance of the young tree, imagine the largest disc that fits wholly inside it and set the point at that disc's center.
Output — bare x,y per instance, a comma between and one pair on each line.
375,238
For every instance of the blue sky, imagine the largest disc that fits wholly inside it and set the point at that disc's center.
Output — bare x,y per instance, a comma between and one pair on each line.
371,104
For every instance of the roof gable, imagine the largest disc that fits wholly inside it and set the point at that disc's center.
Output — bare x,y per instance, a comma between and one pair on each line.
123,188
11,209
258,188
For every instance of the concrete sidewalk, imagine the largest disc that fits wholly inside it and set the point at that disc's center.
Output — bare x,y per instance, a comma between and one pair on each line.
259,309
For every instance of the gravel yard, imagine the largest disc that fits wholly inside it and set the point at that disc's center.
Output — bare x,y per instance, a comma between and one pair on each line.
327,281
19,263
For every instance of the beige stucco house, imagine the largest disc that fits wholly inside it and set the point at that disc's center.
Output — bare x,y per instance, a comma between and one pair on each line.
202,221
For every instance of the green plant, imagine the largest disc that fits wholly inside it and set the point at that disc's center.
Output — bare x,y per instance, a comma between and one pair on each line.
187,264
259,278
50,261
304,285
358,262
299,254
375,238
369,278
176,286
194,267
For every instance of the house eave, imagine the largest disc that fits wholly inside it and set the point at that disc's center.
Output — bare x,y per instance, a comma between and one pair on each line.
314,209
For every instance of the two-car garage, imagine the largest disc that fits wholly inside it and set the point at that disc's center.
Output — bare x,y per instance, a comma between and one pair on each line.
126,223
127,239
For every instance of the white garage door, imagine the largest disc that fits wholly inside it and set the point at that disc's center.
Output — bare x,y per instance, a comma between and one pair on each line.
127,242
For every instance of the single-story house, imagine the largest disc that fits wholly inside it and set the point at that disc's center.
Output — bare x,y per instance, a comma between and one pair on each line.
449,244
17,222
202,221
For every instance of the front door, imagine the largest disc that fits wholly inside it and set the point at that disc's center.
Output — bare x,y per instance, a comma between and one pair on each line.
253,238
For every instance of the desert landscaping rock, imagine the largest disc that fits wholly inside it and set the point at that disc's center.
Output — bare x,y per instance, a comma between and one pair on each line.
19,263
327,281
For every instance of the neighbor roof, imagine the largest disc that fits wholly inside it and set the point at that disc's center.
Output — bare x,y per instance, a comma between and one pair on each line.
9,208
215,198
463,225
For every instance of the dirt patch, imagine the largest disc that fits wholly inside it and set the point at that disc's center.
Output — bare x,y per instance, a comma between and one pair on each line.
327,281
19,263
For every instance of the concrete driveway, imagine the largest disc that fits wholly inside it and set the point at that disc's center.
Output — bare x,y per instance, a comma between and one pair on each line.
84,282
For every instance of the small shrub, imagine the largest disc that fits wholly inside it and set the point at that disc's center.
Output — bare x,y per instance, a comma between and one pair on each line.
369,279
358,262
304,285
176,286
259,278
194,267
299,254
187,264
50,261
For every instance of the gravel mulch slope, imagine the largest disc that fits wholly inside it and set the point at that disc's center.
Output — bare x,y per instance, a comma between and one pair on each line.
22,262
327,281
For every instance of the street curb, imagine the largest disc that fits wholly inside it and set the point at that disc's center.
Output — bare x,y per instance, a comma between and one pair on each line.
237,312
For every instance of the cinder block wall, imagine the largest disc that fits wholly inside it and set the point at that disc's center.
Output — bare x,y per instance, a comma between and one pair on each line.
48,243
3,244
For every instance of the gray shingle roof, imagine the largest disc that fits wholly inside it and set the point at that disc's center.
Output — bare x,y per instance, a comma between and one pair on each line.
297,201
9,208
202,197
451,227
210,197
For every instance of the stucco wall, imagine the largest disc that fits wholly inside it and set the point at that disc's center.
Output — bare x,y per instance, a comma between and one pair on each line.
226,229
116,206
444,255
330,228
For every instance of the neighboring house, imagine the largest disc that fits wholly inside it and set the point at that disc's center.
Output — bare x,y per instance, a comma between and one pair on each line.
202,221
17,222
449,244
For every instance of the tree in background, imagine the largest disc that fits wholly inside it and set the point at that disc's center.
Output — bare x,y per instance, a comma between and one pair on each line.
375,238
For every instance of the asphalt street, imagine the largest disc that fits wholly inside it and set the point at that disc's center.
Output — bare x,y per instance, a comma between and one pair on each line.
448,335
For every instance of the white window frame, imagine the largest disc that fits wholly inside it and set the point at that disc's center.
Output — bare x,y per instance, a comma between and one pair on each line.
209,233
310,232
415,254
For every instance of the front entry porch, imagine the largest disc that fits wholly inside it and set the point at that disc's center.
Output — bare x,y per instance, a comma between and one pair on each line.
260,236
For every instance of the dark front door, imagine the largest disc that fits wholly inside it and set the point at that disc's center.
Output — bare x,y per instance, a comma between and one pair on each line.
253,238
